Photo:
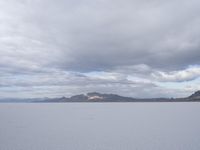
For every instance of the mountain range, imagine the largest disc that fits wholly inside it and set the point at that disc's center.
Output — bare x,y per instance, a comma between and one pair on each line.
98,97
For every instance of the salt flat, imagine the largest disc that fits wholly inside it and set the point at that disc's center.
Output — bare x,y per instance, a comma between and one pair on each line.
100,126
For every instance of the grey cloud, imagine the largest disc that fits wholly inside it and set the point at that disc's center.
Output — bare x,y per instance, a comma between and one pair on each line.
43,42
100,35
149,34
66,84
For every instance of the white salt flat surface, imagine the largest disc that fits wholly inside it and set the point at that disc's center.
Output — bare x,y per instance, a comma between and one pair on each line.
100,126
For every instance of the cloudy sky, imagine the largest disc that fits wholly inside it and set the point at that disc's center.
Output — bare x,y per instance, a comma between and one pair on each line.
139,48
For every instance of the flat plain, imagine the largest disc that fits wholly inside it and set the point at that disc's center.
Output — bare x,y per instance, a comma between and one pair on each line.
100,126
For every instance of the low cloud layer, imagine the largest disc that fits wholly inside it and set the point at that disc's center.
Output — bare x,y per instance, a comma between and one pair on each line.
137,48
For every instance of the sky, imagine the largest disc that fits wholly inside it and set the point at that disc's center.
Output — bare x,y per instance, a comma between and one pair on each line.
137,48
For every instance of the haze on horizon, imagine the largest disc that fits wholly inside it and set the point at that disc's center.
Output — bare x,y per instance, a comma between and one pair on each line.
137,48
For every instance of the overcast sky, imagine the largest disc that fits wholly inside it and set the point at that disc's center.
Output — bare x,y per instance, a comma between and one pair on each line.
139,48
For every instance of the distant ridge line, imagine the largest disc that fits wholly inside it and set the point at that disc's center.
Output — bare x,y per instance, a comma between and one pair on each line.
98,97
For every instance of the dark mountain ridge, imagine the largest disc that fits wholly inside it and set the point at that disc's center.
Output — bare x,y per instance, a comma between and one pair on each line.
98,97
196,95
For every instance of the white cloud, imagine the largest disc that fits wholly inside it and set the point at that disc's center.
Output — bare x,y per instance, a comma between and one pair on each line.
177,76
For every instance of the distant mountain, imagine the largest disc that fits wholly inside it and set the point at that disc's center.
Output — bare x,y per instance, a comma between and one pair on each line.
93,97
195,96
98,97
